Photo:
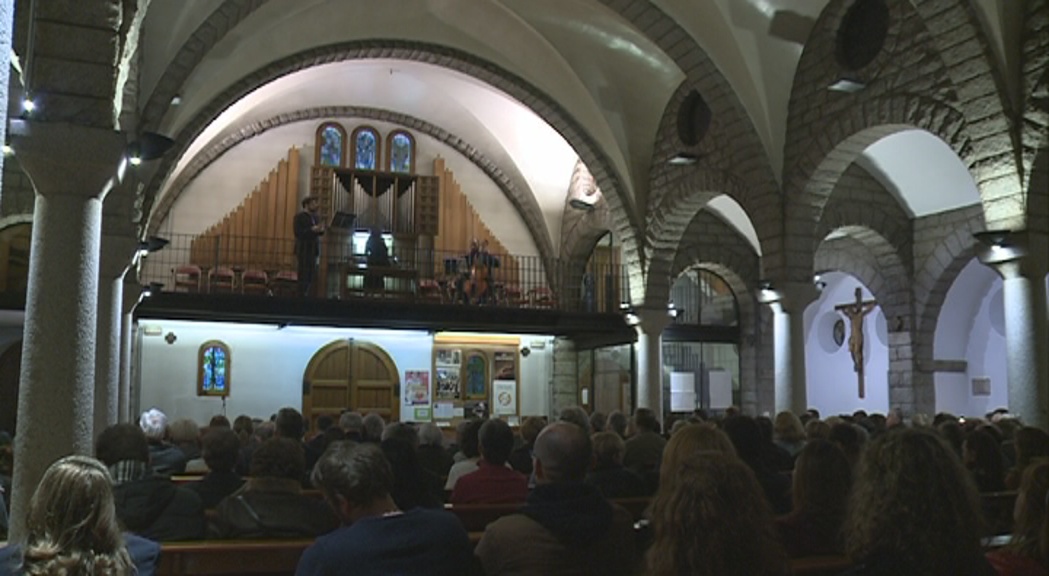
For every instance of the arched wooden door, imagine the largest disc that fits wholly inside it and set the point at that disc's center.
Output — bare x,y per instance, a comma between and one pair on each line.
350,374
10,373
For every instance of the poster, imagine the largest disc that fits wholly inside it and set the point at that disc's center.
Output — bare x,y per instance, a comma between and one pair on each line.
505,366
416,387
449,357
504,397
682,392
447,383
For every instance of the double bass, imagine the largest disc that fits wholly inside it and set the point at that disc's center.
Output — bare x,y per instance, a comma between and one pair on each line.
477,286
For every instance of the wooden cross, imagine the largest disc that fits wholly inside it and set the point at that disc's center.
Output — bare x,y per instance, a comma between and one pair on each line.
855,311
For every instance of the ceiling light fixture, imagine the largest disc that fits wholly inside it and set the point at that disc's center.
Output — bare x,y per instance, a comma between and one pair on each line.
683,159
580,204
847,86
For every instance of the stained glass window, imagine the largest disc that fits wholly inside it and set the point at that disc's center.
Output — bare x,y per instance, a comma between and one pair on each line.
476,376
330,145
366,149
400,152
213,369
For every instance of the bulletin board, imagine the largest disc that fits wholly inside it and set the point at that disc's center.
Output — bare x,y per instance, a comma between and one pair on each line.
475,376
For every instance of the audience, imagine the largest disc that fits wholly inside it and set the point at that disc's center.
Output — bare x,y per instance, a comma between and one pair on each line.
1029,445
71,527
493,482
271,504
402,431
609,475
788,433
772,454
469,448
851,439
566,526
747,438
221,450
644,448
914,510
709,518
376,537
352,423
521,457
598,421
147,503
432,455
817,430
412,485
617,422
822,481
163,457
373,426
1028,552
318,443
577,416
290,424
184,434
983,458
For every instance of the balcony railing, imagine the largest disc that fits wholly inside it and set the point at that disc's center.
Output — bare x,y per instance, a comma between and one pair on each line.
268,266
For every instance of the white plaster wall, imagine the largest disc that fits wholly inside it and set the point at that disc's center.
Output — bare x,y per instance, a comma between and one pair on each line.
267,365
971,328
226,182
831,383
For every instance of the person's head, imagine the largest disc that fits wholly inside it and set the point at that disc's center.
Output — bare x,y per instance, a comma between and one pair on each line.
289,424
981,453
496,441
609,449
1030,443
71,526
184,431
310,203
822,481
850,438
617,422
711,520
1031,527
265,430
645,421
431,435
219,421
577,416
787,428
598,421
562,454
373,426
690,440
530,429
324,422
403,431
354,477
244,427
469,438
120,443
352,422
154,424
951,430
817,430
913,501
220,450
746,436
281,458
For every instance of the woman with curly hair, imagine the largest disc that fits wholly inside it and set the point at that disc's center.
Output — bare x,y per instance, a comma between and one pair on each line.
71,527
709,518
690,440
914,510
1028,552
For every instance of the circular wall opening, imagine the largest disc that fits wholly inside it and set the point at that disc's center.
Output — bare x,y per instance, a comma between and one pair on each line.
862,33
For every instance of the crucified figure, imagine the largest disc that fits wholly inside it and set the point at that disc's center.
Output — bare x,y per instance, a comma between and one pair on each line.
855,311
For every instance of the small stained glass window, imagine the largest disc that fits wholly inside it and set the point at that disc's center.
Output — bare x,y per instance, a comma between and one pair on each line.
213,369
367,150
331,146
400,152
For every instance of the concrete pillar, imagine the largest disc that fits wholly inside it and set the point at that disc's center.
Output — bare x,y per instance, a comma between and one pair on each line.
132,292
651,322
788,325
72,168
1021,260
7,19
116,255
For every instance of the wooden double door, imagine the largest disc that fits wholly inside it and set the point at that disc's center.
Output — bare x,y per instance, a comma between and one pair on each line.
352,374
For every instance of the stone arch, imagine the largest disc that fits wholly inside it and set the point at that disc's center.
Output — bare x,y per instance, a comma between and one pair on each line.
872,259
620,203
711,240
516,191
843,138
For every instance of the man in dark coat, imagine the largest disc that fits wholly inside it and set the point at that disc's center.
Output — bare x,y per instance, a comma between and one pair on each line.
308,231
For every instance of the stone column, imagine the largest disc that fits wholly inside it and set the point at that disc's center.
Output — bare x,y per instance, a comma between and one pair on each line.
72,168
7,19
117,252
132,292
651,322
788,325
564,385
1021,261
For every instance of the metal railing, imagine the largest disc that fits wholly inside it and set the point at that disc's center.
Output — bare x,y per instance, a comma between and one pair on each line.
268,266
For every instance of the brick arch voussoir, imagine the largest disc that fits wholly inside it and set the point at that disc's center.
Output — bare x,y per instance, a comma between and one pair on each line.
611,183
518,193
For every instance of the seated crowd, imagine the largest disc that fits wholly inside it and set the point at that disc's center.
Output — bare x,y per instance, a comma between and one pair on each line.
725,495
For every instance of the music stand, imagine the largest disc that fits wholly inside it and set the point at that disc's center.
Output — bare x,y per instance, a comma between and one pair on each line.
343,221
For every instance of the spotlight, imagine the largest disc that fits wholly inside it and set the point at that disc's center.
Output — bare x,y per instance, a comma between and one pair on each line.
683,159
28,105
846,85
149,146
152,244
8,150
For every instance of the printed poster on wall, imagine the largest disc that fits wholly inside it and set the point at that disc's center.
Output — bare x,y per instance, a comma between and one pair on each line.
505,366
416,387
504,394
447,383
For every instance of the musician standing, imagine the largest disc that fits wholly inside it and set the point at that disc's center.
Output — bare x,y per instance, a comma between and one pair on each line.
308,231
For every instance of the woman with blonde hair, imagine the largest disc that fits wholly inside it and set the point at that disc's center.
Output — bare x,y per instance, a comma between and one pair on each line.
709,518
690,440
789,433
1028,552
71,527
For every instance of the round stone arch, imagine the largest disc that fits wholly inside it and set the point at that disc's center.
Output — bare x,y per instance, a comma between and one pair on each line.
843,138
872,227
611,183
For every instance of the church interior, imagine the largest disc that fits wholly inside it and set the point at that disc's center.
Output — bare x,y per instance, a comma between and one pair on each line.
527,205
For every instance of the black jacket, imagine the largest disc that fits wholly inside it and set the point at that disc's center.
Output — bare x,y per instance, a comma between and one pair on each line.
166,459
215,486
271,509
307,241
154,508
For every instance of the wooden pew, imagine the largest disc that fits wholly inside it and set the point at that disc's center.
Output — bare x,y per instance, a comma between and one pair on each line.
231,557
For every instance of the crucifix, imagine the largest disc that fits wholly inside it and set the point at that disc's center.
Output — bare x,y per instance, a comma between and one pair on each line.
855,311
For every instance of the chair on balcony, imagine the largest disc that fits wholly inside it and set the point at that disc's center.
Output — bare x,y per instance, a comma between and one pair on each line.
284,283
254,282
512,296
221,279
541,297
187,278
429,290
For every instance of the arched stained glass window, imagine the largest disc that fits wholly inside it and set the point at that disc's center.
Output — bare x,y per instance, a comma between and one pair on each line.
213,369
365,149
402,152
331,143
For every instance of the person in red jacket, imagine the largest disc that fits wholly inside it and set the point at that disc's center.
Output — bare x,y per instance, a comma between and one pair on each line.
493,482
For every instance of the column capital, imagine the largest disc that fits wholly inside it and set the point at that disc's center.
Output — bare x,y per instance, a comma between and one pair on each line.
1014,254
790,297
70,160
652,321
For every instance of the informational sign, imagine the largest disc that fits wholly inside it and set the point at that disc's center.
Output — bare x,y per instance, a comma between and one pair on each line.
682,391
443,411
417,387
720,389
504,394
